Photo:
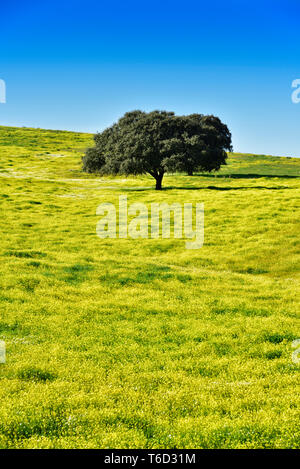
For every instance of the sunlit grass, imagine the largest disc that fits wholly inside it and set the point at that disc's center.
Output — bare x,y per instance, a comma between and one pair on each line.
142,343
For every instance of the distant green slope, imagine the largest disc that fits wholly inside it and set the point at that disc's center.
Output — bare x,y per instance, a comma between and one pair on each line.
247,165
43,140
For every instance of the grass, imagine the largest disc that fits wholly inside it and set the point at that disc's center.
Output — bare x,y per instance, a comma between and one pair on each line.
142,343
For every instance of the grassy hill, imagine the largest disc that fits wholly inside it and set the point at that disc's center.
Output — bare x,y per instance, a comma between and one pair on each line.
143,343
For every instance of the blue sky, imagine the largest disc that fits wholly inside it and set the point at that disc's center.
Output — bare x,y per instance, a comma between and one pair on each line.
79,65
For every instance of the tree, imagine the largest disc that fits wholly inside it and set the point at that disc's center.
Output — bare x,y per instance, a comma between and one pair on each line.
199,145
157,142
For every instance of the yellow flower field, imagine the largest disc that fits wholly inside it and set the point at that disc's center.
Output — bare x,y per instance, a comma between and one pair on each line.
122,343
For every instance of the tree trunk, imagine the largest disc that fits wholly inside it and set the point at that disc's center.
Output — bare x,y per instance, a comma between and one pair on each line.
190,172
158,182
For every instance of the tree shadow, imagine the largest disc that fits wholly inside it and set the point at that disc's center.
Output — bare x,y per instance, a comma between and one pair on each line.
215,188
246,176
194,188
216,176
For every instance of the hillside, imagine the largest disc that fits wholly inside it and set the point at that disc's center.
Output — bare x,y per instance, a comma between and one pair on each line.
123,343
50,144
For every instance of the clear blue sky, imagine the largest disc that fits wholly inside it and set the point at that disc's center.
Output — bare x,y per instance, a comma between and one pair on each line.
79,65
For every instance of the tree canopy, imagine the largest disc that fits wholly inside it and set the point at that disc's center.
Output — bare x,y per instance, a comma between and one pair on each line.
157,142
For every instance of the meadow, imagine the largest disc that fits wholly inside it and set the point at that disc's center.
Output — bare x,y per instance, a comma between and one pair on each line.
122,343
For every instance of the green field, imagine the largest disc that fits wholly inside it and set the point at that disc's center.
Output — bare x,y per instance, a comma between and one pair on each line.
142,343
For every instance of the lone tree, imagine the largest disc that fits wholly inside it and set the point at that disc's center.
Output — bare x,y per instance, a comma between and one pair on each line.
157,142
